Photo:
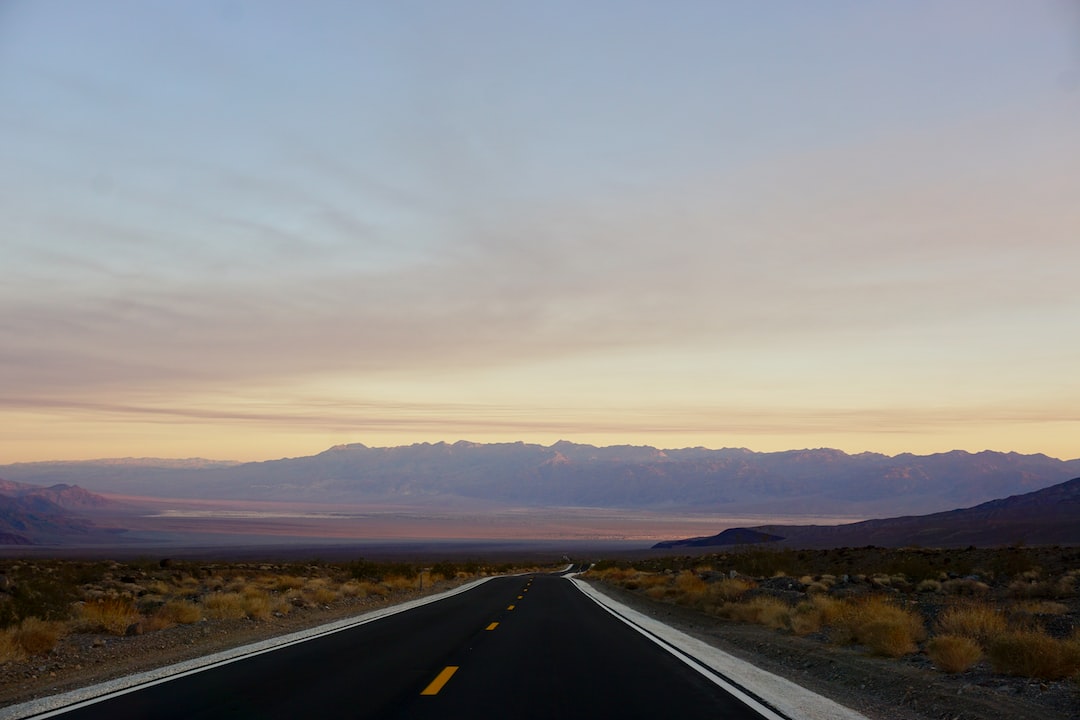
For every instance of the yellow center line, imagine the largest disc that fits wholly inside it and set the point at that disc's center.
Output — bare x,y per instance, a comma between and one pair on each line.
510,607
520,596
492,626
440,680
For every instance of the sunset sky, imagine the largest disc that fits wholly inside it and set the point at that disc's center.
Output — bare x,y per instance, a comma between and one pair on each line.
248,230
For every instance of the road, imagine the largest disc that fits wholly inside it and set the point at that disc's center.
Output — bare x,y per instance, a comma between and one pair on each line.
513,647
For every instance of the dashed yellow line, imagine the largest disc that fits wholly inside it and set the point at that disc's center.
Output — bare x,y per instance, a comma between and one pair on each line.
509,607
492,626
440,680
520,596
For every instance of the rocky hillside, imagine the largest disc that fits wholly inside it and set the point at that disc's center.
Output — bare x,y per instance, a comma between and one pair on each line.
31,515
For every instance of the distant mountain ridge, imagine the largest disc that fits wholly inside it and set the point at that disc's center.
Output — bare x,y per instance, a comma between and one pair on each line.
1050,516
732,480
30,514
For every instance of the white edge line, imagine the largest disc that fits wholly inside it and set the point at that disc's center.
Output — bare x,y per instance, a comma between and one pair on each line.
54,705
786,697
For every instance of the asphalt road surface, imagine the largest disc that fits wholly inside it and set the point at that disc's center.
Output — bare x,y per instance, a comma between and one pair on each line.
513,647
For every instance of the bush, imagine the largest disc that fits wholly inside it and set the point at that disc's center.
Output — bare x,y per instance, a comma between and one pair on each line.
225,606
976,621
965,586
885,628
761,610
9,647
730,589
113,615
1034,654
319,592
953,653
690,586
179,612
813,615
37,636
398,583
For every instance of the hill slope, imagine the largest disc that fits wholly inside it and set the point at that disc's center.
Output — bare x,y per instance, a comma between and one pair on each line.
1046,517
31,515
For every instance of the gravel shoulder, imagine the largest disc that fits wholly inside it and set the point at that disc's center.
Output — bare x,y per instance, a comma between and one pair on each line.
907,689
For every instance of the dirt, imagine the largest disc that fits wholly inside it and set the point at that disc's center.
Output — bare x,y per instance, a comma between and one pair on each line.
881,689
909,689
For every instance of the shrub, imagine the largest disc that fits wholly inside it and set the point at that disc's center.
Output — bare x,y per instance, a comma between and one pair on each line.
690,586
656,592
928,586
113,615
1033,653
319,592
9,647
953,653
398,583
885,628
976,621
761,610
256,604
730,589
37,636
814,614
225,606
179,612
965,586
289,582
888,637
352,588
1027,589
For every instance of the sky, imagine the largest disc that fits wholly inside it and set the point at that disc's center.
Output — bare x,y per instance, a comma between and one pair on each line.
249,230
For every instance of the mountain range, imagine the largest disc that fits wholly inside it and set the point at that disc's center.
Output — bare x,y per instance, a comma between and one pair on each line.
1045,517
797,482
30,514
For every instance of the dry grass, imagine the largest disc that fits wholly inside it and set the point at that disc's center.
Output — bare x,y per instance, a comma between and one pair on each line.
398,583
36,636
657,592
113,615
731,589
319,592
289,582
10,649
225,606
885,628
813,615
257,604
1033,653
953,653
965,587
761,610
179,612
928,586
353,589
977,621
690,586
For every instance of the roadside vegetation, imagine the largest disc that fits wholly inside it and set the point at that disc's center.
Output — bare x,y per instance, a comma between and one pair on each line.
42,602
1014,611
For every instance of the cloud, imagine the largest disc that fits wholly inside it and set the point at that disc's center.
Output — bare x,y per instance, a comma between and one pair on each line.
819,250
